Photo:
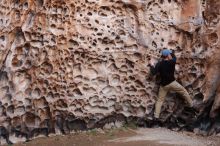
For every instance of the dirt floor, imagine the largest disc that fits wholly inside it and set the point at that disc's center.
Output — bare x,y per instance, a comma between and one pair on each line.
126,137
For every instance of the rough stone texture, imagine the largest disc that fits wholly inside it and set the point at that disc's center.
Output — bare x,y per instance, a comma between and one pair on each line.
79,64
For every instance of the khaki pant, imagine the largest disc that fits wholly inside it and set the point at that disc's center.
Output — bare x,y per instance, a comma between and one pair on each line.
174,86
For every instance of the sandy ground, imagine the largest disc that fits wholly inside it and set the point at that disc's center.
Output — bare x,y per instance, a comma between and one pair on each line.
126,137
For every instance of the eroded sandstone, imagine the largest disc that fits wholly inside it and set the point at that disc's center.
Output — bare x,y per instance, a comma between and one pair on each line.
75,65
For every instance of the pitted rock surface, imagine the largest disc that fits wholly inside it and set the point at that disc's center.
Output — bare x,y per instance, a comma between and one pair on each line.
81,64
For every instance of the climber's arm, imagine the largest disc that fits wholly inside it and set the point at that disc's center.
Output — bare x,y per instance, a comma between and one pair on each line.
173,56
154,70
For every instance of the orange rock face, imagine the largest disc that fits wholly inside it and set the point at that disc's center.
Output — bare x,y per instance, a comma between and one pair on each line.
74,65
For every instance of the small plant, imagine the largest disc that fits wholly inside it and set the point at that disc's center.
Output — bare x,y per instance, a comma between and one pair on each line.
93,132
130,125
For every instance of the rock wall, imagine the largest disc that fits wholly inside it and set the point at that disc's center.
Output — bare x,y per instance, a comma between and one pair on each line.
79,64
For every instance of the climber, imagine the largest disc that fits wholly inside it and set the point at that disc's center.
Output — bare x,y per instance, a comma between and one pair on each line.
165,68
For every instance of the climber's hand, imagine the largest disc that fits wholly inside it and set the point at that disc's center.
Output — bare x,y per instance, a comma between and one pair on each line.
151,63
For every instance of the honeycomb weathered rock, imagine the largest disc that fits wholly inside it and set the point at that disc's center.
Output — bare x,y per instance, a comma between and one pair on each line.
79,64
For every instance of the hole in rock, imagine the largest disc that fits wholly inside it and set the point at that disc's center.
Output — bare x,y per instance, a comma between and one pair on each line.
97,21
40,2
10,109
36,93
213,38
61,103
77,92
76,124
161,1
89,13
2,38
199,97
154,44
46,68
16,62
3,76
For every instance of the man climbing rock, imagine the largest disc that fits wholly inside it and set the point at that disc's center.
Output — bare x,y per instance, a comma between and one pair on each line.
166,68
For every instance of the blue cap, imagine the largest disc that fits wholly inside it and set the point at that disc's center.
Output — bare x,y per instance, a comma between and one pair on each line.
166,52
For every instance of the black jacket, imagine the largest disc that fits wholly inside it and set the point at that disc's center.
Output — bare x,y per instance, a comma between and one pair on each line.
166,69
